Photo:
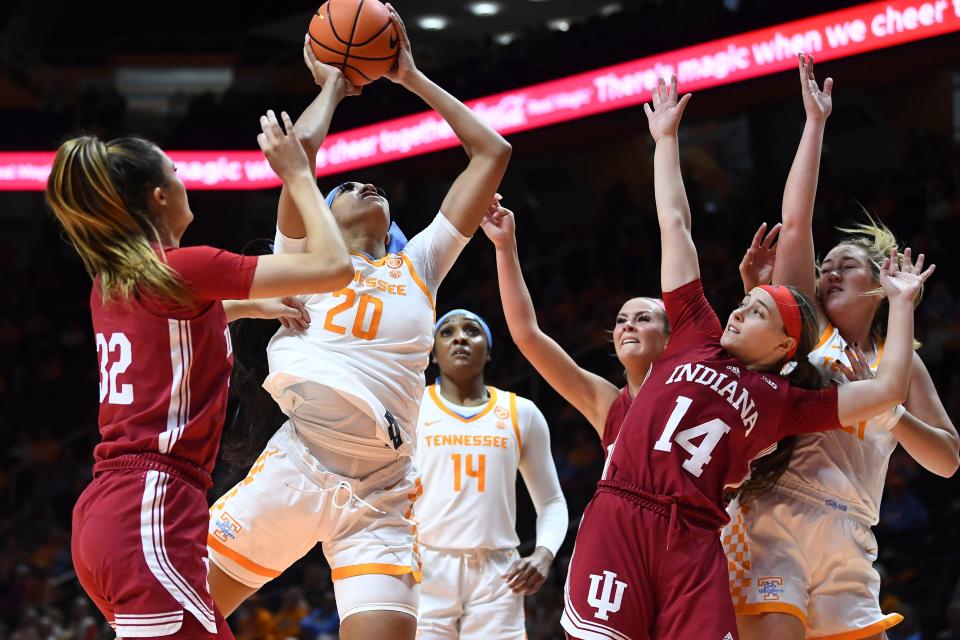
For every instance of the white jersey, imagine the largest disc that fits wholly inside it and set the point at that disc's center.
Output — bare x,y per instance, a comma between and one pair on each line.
843,469
365,350
468,458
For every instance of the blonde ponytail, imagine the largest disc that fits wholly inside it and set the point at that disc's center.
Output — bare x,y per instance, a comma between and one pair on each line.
98,191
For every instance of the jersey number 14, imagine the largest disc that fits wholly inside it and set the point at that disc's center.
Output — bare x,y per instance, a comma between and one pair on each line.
711,432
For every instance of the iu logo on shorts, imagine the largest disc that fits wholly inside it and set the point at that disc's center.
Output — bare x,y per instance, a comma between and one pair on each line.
600,598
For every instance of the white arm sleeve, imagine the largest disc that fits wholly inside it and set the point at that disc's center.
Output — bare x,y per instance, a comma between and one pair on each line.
540,475
434,250
283,244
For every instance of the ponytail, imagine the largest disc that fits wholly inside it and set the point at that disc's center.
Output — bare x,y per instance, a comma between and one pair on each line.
99,193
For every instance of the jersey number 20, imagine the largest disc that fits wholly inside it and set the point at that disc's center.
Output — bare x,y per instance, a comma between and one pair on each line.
118,346
358,331
711,431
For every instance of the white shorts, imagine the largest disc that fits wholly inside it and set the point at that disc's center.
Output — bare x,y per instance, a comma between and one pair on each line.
786,555
465,596
288,503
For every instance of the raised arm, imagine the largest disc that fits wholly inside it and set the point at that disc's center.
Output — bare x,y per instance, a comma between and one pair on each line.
466,202
325,265
863,399
797,262
589,394
678,262
311,129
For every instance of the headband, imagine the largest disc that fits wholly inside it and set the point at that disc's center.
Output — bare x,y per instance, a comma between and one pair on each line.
397,240
789,311
469,315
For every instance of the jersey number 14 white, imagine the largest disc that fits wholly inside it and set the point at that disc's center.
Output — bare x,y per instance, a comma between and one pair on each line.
711,431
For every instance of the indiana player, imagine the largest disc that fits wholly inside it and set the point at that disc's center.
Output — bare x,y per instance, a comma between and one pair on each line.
648,560
640,333
812,531
339,471
471,440
139,528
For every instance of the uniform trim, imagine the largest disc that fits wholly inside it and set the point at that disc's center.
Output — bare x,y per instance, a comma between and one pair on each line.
577,627
147,625
153,544
827,333
760,608
419,281
888,621
491,403
376,568
515,418
181,362
376,263
241,560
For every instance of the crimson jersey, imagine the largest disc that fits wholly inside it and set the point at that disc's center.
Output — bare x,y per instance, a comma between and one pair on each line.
703,416
164,371
614,420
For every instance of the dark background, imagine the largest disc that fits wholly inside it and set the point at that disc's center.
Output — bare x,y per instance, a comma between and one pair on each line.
583,196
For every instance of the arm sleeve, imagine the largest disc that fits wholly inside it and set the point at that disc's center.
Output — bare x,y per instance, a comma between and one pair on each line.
434,250
540,475
692,319
283,244
214,274
809,411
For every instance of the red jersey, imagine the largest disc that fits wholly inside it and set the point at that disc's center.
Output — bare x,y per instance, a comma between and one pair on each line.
703,416
163,372
614,420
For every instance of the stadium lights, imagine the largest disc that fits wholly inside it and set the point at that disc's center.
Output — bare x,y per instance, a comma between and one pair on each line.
560,24
611,8
484,8
505,38
432,23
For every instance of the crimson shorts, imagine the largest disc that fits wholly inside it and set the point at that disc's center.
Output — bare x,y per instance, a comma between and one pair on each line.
623,582
139,550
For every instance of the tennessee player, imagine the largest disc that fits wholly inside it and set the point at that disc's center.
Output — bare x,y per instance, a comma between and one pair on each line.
471,441
802,554
139,529
648,560
339,471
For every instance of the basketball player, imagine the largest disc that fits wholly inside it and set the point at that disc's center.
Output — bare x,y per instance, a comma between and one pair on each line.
471,440
648,560
802,554
139,528
640,333
339,471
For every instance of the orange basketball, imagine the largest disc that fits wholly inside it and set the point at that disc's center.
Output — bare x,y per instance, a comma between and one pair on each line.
356,36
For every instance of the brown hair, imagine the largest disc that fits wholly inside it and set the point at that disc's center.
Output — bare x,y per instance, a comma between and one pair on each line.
765,471
99,193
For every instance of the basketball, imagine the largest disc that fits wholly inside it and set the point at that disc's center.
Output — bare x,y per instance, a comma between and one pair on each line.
356,36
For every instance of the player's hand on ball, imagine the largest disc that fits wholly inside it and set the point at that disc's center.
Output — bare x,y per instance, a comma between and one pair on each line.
404,66
498,224
281,148
527,575
664,117
327,76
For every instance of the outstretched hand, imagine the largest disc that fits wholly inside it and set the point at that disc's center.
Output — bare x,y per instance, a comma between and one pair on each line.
281,148
327,76
498,224
664,117
816,103
903,281
756,268
404,66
